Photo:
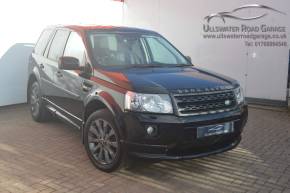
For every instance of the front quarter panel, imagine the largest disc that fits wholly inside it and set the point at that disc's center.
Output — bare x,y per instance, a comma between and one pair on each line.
112,100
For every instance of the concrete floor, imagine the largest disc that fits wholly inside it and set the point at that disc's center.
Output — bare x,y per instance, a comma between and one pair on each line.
49,157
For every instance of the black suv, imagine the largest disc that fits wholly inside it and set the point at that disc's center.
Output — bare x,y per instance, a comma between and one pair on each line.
131,92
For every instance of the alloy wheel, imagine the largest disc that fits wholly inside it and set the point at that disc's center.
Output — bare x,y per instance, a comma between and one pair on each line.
103,141
35,99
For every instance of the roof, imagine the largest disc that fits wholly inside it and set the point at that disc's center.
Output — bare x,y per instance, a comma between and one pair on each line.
82,28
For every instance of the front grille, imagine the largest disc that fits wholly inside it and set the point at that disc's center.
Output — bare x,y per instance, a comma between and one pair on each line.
205,102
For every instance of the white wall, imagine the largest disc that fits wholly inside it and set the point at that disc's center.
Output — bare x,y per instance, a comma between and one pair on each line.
21,25
262,71
181,21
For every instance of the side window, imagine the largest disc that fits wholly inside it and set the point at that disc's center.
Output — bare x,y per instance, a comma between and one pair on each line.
160,53
42,41
58,44
75,48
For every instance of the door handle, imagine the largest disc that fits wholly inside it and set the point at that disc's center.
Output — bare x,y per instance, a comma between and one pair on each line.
59,74
86,87
41,66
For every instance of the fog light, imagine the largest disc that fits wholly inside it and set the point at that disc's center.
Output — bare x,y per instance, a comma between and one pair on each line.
151,130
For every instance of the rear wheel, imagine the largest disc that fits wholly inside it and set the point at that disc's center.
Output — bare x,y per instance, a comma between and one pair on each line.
102,141
37,109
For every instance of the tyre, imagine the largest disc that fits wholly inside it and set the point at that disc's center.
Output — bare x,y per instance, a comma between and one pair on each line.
102,141
37,109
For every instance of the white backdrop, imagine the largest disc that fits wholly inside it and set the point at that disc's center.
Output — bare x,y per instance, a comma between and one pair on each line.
262,71
21,25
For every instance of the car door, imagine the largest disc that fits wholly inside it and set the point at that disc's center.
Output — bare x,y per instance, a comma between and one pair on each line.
71,81
54,52
39,57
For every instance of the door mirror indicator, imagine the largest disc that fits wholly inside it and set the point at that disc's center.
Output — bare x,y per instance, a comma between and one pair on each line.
68,63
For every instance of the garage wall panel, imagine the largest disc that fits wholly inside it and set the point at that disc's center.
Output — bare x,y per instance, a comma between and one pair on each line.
262,71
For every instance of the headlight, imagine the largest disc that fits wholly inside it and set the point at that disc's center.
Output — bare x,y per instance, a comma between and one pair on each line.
239,95
153,103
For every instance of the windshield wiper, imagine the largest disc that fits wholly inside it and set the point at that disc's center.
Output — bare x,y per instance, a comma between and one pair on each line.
182,65
144,66
160,66
156,66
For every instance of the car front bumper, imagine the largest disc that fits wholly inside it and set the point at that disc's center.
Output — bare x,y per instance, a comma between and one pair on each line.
177,136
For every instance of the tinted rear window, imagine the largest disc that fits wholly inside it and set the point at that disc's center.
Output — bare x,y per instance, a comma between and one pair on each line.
58,44
42,41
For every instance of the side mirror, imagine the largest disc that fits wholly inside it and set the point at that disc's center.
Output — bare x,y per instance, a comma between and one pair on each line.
189,59
68,63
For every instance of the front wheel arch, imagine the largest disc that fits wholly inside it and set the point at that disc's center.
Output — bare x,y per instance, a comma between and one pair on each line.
105,115
96,104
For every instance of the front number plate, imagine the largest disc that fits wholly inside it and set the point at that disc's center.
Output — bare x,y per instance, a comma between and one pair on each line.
219,129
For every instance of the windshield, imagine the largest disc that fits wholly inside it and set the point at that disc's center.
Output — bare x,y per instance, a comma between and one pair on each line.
130,49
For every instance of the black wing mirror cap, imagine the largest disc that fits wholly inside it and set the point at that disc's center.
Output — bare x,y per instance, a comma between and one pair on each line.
69,63
189,59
